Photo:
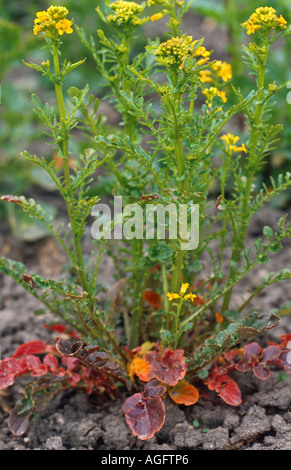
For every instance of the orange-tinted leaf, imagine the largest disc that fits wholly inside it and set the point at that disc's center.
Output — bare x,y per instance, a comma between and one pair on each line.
11,198
199,300
152,298
218,318
228,390
139,367
184,393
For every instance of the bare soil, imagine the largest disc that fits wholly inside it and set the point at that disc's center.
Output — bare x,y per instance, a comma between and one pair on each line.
74,420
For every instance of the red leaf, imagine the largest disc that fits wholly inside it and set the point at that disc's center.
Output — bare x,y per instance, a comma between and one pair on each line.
152,298
52,363
33,365
6,381
60,328
32,347
28,280
9,368
228,390
144,415
70,362
39,371
56,327
285,339
169,368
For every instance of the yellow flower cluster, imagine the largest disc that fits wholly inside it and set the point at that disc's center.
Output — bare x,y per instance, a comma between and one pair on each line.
181,295
264,18
126,13
157,2
211,92
53,21
175,51
230,141
202,52
218,69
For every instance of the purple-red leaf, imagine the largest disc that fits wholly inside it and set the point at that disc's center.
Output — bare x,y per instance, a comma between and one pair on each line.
271,353
261,372
18,423
251,351
154,388
145,415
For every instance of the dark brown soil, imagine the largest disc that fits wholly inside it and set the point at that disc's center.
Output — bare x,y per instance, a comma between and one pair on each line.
74,420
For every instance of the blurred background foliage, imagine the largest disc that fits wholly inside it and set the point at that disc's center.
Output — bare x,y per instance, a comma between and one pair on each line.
20,130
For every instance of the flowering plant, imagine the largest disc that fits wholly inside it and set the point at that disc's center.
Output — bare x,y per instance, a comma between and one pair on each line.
167,326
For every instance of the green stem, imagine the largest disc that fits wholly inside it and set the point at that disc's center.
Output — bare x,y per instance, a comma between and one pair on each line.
240,240
65,156
63,116
180,163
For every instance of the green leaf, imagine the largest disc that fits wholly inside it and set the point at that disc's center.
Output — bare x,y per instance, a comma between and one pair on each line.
26,228
236,332
268,232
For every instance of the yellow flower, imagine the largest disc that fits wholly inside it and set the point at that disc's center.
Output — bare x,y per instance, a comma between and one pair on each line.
172,296
36,29
205,76
204,61
53,22
264,18
175,51
190,296
252,28
41,16
126,13
184,288
64,26
157,2
157,16
222,95
230,141
242,148
211,92
222,70
282,21
201,51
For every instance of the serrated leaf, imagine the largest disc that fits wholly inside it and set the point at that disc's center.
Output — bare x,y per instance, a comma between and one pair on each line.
236,332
